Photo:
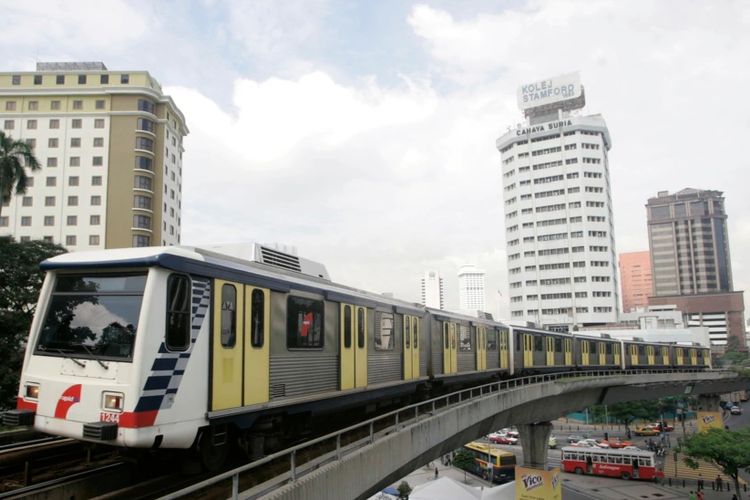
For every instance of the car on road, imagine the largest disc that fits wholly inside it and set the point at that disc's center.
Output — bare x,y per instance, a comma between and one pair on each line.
592,443
574,438
618,443
658,426
646,431
735,410
500,438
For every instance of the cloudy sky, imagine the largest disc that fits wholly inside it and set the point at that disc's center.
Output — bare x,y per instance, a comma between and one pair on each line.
363,133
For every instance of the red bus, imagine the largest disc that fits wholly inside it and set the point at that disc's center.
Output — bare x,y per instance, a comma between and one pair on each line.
636,464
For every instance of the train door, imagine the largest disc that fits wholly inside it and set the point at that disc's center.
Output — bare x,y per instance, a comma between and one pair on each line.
550,350
568,346
353,347
664,355
585,352
633,355
227,351
503,341
602,354
650,358
679,355
450,354
481,333
616,351
411,347
257,328
694,357
528,350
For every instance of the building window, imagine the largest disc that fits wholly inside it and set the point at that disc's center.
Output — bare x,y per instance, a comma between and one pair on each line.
144,143
144,163
145,105
33,105
31,143
124,78
75,142
53,142
103,79
142,221
48,239
52,162
51,181
75,161
9,124
76,123
98,142
49,201
26,220
99,123
304,323
29,182
4,221
60,79
16,79
81,79
54,123
27,201
49,220
94,220
77,104
99,104
142,202
37,79
96,180
54,105
178,312
31,124
94,239
140,240
72,201
142,182
145,124
71,220
10,105
96,200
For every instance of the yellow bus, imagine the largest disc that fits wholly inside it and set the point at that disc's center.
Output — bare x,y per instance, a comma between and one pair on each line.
492,463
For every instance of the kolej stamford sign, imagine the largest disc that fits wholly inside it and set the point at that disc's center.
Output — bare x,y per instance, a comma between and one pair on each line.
559,88
544,127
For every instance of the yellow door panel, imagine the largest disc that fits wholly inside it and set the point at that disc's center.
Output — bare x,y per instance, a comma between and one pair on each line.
415,345
568,352
446,348
504,358
585,352
602,354
528,350
454,348
346,347
664,355
360,348
226,372
616,350
634,355
257,338
693,357
406,344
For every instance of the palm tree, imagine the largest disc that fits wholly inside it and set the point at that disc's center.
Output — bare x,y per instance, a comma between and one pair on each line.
15,157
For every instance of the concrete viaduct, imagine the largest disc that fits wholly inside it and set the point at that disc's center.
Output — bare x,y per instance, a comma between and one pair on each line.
426,431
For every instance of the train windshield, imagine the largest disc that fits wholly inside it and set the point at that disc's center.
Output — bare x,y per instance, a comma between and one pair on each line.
93,316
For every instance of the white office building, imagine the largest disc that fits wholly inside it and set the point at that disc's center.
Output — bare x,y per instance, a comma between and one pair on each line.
471,288
562,265
432,290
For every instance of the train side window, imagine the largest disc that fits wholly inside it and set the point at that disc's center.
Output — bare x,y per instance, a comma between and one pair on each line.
383,331
492,339
257,319
608,348
464,338
558,344
445,335
518,341
228,315
407,331
416,333
178,313
347,327
538,343
304,323
361,328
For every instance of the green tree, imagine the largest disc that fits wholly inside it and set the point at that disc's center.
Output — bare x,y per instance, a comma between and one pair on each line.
464,461
634,410
20,282
15,158
729,450
404,490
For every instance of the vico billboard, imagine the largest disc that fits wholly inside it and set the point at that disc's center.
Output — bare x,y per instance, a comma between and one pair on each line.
559,88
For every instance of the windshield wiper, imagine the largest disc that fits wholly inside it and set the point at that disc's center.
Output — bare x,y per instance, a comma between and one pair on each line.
74,360
101,363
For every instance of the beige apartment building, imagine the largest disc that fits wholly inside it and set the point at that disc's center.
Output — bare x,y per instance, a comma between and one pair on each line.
110,147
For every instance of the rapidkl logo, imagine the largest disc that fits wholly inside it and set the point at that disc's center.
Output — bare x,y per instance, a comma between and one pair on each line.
69,397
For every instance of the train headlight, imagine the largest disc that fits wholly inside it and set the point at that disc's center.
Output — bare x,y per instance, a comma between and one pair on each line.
113,401
31,391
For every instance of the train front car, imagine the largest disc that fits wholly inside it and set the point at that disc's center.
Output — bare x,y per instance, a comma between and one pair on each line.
108,355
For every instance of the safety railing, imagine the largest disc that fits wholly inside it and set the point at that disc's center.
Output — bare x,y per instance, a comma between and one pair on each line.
377,428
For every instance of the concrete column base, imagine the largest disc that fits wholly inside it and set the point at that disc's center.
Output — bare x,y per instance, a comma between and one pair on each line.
535,443
708,402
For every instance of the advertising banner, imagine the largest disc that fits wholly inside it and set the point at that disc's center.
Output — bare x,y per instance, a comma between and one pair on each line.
559,88
709,419
535,484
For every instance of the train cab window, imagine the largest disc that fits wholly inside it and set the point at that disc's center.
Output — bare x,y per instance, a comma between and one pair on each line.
492,339
464,338
558,344
384,340
304,323
257,318
538,343
228,315
347,326
178,313
361,328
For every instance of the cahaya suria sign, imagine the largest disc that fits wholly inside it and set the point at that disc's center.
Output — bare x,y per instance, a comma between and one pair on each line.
559,88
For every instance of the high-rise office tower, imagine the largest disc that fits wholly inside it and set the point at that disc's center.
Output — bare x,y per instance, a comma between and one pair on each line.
471,296
432,290
635,276
558,210
110,146
690,261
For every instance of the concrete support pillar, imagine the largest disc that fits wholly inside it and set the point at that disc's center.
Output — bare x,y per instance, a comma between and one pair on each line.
708,402
535,443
